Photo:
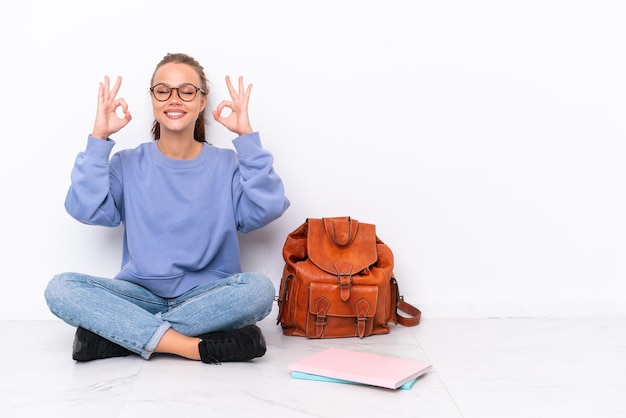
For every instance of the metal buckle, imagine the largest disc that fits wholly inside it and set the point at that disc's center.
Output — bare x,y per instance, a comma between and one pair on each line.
343,285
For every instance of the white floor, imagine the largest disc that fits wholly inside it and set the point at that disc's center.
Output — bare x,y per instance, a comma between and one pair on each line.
501,368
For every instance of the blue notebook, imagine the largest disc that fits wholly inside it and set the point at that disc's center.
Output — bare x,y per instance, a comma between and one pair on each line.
308,376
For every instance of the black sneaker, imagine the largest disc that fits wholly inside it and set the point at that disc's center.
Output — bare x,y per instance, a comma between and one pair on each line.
89,346
241,344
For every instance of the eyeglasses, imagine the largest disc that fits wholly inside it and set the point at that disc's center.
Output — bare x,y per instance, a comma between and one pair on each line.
187,92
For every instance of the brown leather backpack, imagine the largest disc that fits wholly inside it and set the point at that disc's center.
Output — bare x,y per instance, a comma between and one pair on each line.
338,281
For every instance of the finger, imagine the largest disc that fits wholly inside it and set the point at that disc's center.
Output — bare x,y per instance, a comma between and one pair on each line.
245,92
222,105
105,87
241,90
122,103
247,96
116,87
218,109
100,92
231,89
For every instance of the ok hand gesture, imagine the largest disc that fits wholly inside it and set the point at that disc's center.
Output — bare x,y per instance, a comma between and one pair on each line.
107,120
237,121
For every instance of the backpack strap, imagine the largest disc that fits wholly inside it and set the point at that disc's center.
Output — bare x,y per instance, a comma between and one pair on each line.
414,313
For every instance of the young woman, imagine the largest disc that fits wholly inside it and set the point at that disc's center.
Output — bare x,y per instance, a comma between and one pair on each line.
181,201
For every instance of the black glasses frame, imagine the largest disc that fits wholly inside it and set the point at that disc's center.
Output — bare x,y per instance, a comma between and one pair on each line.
198,89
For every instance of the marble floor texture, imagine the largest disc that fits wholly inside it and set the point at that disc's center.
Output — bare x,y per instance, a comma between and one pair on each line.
482,368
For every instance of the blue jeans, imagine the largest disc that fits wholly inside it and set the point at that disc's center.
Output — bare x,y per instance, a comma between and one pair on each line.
135,318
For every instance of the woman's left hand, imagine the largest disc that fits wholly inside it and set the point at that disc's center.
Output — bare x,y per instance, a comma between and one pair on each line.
237,120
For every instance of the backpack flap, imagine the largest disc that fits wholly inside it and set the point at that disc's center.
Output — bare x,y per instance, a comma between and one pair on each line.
330,314
342,247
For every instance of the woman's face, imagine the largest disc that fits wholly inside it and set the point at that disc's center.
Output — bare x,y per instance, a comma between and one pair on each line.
178,112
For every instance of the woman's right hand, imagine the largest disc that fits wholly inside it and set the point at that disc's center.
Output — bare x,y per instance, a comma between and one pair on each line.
107,120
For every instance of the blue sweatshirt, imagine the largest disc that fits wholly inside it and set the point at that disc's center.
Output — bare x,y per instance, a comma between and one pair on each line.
180,217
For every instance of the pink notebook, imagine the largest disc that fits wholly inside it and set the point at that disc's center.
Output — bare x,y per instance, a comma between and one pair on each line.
366,368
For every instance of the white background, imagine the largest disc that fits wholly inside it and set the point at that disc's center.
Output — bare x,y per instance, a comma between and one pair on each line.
485,139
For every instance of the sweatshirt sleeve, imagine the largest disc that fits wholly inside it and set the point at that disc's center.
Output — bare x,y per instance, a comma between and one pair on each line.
258,191
90,198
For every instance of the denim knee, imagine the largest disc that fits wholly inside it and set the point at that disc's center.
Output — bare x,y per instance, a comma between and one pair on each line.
264,289
55,288
57,293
